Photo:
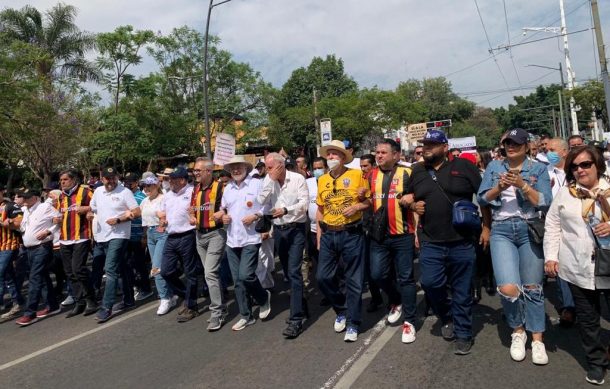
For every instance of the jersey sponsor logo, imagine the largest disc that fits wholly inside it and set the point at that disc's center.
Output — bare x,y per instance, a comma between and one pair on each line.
346,182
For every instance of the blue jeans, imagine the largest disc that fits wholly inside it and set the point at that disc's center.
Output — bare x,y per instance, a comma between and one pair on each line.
181,248
399,250
564,295
156,242
517,261
243,262
452,264
7,274
349,246
115,268
40,284
290,244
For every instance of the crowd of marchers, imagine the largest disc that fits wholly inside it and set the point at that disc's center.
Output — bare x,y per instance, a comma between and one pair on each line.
502,220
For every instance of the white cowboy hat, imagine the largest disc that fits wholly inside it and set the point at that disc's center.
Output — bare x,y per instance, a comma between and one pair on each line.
238,159
166,172
338,146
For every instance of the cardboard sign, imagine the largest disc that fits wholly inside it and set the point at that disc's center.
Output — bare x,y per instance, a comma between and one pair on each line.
416,132
326,132
464,144
225,148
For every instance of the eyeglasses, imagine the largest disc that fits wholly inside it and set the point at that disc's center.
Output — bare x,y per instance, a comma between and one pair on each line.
583,165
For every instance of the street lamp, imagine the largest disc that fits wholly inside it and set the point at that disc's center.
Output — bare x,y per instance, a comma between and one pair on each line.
564,124
208,135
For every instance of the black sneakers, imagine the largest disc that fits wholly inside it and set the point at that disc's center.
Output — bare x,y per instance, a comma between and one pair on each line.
293,330
462,346
595,376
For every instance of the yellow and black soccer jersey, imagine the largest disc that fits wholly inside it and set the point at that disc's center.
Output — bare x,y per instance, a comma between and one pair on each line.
74,226
337,194
205,202
386,190
9,238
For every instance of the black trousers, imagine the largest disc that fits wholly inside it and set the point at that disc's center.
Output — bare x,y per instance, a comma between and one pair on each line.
74,258
587,304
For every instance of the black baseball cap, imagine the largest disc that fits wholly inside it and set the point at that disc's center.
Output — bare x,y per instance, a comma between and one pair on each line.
517,135
179,172
109,172
131,177
29,193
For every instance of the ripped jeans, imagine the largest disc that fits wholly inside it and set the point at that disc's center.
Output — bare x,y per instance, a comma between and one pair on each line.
517,261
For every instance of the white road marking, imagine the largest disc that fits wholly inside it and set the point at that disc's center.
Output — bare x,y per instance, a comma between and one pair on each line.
45,350
355,365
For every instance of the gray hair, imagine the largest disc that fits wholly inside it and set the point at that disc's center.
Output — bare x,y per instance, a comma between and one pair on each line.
562,143
276,157
206,161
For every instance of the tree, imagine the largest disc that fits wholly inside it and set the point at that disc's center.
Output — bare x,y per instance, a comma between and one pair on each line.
591,98
57,35
119,50
533,112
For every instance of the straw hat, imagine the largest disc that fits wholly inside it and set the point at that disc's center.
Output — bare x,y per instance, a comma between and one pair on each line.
338,146
238,159
166,172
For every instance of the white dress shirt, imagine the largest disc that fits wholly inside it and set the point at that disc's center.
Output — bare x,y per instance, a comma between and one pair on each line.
312,209
176,207
149,211
292,195
558,179
569,240
239,202
38,218
109,205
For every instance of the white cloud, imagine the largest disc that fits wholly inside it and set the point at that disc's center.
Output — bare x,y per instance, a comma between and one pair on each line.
381,42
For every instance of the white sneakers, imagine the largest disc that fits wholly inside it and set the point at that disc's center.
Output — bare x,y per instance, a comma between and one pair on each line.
166,304
394,314
408,332
539,356
517,346
340,323
265,309
517,349
243,323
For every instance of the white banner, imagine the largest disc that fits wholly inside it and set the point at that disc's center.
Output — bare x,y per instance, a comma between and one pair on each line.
467,143
326,132
225,148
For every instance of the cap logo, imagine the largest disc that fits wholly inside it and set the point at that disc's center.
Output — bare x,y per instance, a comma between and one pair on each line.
513,132
110,170
428,135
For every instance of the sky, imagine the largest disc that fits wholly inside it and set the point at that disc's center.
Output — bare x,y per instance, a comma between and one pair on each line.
381,42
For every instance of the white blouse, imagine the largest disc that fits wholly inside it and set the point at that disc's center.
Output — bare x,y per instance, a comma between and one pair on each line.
569,240
149,211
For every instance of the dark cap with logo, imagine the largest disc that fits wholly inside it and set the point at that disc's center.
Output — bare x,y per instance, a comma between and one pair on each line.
435,136
131,177
180,172
109,172
517,135
29,193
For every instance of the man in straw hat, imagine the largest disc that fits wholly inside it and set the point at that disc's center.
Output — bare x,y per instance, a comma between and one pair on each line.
342,196
241,211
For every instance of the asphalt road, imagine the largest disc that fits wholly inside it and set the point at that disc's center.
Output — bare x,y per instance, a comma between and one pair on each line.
139,349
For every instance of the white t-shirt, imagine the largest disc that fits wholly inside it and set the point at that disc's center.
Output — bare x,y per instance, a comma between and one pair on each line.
149,211
109,205
312,187
355,164
510,206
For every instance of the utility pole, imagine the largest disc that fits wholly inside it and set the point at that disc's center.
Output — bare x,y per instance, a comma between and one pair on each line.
571,75
316,119
602,55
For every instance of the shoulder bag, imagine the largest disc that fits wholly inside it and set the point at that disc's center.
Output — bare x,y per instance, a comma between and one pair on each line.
465,214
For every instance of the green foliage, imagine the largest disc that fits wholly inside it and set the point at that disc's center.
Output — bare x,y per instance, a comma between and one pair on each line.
56,34
591,98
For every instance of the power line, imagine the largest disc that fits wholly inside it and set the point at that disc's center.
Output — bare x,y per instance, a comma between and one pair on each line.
512,59
507,47
489,42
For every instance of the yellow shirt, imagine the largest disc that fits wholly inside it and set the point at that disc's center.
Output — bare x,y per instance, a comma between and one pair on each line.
336,194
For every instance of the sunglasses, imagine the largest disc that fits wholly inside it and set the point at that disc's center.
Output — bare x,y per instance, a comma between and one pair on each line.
583,165
419,152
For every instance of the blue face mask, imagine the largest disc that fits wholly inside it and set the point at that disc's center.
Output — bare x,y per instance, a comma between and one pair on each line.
317,173
553,157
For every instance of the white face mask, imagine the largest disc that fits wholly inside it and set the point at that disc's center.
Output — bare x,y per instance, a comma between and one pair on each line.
333,164
607,155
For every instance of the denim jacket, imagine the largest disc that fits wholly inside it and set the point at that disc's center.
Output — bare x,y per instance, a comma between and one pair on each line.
534,173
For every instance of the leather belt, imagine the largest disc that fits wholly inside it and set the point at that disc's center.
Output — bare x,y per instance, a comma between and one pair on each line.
354,227
288,226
